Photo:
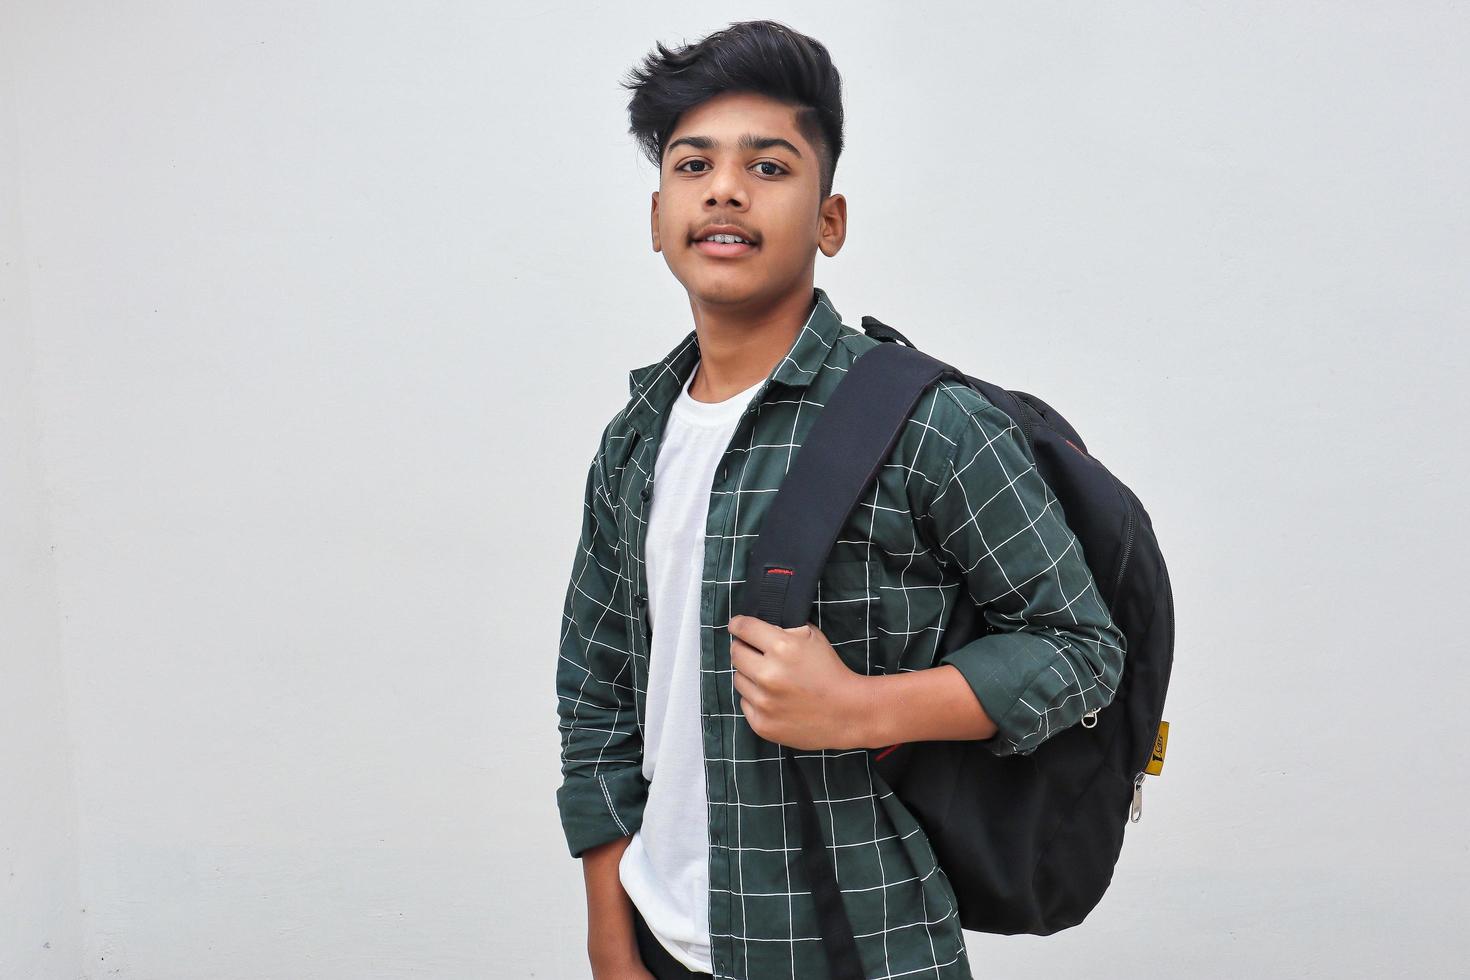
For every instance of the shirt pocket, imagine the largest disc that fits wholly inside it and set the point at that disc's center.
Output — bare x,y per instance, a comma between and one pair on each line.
915,602
848,610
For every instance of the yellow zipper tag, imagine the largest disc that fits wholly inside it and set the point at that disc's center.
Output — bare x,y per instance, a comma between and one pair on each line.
1156,761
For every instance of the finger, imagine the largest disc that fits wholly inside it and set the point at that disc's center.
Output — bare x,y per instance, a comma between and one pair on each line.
748,689
745,644
739,648
752,717
739,653
746,659
756,632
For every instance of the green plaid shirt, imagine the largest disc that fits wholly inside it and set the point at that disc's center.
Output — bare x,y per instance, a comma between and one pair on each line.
958,510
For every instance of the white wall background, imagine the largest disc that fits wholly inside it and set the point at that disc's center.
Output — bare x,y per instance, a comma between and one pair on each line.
305,348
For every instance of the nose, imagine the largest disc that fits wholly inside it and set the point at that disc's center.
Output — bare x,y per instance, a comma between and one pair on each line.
727,186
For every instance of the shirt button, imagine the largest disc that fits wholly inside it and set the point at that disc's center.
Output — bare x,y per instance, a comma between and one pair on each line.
640,598
645,493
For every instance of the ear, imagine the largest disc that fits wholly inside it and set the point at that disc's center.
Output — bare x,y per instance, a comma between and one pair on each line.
832,224
653,221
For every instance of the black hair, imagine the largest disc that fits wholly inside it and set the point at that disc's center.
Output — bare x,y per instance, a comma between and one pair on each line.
761,56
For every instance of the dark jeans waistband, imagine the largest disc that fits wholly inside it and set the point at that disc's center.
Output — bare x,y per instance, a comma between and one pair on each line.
659,961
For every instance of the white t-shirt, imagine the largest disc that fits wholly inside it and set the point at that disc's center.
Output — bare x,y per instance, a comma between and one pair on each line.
665,868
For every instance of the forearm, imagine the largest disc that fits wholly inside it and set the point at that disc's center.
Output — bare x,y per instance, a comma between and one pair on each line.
935,704
611,941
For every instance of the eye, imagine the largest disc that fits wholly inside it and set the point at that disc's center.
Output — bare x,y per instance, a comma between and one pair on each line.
704,164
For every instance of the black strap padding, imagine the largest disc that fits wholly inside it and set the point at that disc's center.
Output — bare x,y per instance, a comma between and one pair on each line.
852,436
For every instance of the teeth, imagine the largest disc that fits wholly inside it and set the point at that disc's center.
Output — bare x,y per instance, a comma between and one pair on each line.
727,239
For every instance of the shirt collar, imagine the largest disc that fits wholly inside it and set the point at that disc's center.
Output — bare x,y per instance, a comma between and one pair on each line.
654,386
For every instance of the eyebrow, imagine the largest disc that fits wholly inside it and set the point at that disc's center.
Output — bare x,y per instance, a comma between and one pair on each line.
750,141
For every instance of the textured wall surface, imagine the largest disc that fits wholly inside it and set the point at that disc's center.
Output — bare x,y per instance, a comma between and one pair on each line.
312,314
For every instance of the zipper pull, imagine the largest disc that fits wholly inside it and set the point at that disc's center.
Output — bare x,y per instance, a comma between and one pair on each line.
1089,720
1135,810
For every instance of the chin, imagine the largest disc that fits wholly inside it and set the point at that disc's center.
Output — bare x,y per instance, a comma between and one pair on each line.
717,285
721,289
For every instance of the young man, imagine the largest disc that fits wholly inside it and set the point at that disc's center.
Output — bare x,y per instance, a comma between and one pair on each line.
671,711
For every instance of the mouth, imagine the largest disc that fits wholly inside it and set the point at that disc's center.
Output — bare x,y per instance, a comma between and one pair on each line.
724,250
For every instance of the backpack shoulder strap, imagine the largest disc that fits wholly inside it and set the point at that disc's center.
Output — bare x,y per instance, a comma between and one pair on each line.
855,431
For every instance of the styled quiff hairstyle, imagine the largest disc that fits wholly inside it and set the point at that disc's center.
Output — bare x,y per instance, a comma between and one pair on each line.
760,56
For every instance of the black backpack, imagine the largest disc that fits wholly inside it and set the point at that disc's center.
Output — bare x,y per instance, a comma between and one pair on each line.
1028,842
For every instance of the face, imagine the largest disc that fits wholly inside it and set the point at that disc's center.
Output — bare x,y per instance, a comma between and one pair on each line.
770,191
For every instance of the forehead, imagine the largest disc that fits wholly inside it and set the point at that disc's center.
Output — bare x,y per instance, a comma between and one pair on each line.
730,114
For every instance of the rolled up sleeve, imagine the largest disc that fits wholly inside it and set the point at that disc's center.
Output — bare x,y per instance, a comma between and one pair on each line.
1055,653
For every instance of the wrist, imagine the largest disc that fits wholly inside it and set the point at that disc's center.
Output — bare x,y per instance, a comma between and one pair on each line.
867,717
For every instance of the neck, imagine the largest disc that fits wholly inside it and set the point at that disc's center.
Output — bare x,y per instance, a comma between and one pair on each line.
740,346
